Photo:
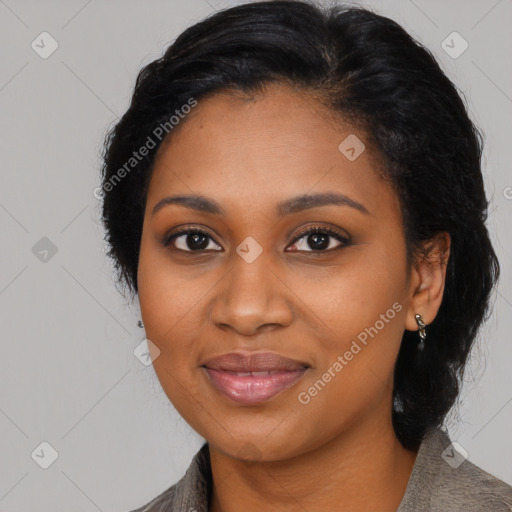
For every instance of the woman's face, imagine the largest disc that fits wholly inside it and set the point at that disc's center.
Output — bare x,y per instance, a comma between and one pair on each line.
335,302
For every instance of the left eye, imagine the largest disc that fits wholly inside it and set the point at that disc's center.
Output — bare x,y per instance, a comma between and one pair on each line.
318,238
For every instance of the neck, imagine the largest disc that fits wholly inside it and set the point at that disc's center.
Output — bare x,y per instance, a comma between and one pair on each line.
364,468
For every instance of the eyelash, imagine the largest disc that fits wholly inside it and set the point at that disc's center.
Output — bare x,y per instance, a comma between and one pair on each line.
306,232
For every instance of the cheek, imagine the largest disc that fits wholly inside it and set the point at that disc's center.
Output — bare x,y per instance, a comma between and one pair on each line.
356,364
361,308
353,296
168,295
168,305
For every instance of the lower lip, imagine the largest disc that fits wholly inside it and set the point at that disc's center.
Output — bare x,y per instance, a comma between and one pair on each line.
252,390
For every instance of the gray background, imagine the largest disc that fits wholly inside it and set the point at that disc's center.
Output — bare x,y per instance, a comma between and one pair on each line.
68,372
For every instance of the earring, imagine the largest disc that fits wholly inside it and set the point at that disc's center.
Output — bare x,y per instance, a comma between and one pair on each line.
422,331
140,324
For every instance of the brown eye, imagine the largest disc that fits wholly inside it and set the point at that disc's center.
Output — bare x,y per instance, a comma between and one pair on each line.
189,240
320,239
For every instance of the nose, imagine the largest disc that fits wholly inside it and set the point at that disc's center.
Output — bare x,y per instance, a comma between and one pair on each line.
251,298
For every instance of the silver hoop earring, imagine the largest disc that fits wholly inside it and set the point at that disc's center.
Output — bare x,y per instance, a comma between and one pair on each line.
140,324
422,331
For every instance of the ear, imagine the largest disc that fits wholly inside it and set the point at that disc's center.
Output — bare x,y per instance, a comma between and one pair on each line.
427,281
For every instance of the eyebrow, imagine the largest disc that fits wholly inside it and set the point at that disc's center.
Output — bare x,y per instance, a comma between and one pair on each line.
287,207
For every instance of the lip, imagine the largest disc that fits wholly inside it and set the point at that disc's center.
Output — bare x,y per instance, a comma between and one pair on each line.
253,362
251,378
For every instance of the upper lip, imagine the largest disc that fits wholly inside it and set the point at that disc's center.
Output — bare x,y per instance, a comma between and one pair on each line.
254,362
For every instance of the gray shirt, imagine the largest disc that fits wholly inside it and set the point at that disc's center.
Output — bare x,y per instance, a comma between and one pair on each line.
441,481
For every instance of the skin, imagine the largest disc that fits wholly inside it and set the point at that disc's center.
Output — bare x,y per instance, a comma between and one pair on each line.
248,155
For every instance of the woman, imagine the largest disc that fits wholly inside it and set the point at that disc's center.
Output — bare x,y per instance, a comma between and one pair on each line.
295,196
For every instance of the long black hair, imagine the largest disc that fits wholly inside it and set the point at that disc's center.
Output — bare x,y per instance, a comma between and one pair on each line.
369,70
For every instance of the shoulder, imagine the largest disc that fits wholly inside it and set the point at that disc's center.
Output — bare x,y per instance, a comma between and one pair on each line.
163,502
444,479
189,493
470,488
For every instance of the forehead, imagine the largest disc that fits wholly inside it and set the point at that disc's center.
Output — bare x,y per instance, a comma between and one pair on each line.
275,145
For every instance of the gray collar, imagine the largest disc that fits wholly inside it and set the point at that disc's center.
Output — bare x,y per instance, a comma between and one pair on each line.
429,487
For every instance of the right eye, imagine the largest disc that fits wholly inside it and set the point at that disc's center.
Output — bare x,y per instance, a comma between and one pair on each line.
189,240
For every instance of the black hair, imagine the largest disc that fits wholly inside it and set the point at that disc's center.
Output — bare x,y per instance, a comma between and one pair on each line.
367,69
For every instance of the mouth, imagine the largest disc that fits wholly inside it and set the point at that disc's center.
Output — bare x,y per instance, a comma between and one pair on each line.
253,378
